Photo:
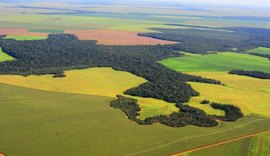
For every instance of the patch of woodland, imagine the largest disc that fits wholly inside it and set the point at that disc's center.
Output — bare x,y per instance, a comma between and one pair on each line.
232,113
186,115
255,74
206,39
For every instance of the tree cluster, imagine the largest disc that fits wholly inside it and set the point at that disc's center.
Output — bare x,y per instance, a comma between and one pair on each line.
255,74
232,113
128,105
186,115
204,39
205,102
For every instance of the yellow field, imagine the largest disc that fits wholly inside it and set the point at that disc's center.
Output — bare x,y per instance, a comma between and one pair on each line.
250,94
93,81
153,107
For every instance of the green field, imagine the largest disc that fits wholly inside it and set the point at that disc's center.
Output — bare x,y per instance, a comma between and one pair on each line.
93,81
46,31
225,61
260,145
25,38
4,56
254,146
58,23
241,91
250,94
260,50
236,148
68,124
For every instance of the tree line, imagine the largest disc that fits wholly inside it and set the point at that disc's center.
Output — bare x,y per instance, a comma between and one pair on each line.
255,74
204,39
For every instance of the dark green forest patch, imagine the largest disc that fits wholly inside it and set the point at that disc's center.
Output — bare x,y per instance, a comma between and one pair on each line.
255,74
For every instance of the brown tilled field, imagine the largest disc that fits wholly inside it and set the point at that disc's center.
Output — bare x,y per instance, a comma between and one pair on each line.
116,37
22,32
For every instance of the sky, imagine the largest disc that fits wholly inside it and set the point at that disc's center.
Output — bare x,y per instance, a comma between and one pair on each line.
229,2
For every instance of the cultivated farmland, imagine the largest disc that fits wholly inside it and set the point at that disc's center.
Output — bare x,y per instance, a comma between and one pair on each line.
250,94
224,61
115,37
4,56
24,38
61,124
261,50
94,81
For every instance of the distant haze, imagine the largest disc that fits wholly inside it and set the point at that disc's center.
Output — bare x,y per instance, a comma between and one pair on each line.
228,2
264,3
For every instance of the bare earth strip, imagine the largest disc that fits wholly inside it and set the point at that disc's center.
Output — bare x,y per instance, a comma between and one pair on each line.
219,143
116,37
22,32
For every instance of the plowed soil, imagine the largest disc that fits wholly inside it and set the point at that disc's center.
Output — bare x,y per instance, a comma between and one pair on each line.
22,32
116,37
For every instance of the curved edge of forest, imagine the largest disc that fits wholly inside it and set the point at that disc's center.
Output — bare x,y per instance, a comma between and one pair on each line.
186,115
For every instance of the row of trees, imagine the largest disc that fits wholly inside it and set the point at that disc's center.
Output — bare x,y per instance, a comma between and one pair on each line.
261,55
256,74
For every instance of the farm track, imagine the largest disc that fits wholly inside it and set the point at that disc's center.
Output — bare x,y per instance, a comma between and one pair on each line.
219,143
198,136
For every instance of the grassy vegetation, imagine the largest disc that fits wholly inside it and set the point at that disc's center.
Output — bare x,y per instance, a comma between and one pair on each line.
236,148
93,81
250,94
260,145
58,23
225,22
254,146
68,124
46,31
218,62
22,38
4,56
260,50
152,107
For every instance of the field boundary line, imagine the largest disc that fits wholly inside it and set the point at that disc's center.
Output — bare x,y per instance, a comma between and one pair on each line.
220,143
202,135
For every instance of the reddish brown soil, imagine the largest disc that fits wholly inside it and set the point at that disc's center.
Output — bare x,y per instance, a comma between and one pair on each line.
2,154
116,37
20,32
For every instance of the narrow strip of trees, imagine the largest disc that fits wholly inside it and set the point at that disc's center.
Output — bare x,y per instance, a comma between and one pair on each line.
255,74
261,55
